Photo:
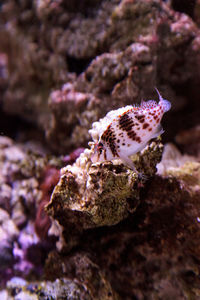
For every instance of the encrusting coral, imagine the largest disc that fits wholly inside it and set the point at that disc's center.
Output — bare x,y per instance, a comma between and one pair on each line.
118,235
92,195
23,187
88,282
155,251
102,50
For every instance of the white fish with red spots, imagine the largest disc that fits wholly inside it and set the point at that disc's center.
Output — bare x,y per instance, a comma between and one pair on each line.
127,130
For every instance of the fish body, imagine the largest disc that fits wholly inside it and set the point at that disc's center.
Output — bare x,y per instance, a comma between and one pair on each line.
127,130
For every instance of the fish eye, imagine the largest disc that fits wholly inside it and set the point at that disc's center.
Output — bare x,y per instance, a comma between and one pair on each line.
100,146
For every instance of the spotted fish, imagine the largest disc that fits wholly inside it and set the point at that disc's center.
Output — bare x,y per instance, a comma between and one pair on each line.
127,130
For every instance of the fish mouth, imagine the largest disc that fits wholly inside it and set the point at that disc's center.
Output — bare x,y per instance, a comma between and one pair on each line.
95,155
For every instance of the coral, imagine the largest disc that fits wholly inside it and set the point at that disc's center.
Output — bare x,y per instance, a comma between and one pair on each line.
71,158
8,234
155,252
21,193
27,176
84,270
188,176
119,76
92,195
161,237
88,283
42,221
83,108
50,179
105,51
172,158
80,111
110,233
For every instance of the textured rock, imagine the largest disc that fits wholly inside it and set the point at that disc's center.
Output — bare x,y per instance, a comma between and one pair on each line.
88,282
154,253
8,234
115,51
21,174
64,65
154,52
80,109
172,158
18,288
82,269
92,195
188,176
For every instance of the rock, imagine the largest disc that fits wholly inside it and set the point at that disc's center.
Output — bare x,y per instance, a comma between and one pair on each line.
8,235
172,158
91,286
21,173
113,59
92,195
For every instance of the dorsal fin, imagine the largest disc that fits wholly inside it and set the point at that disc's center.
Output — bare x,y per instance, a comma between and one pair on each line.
151,103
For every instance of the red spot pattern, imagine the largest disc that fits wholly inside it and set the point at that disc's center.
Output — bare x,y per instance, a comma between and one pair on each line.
140,118
145,125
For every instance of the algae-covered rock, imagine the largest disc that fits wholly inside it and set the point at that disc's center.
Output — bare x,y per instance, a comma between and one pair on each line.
86,282
64,65
115,51
153,253
92,195
8,235
81,268
81,110
61,288
160,240
172,158
22,170
188,175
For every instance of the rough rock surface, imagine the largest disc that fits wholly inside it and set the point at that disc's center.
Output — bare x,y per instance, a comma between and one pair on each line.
88,283
154,253
21,174
115,51
63,65
92,195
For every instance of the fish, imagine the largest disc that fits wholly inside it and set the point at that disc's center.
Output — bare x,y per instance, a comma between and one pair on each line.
127,130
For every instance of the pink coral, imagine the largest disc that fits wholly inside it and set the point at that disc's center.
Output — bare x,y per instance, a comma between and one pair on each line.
42,221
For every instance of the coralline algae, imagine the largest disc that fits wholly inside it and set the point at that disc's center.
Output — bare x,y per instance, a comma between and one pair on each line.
92,195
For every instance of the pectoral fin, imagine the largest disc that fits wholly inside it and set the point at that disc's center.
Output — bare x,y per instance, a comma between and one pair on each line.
159,131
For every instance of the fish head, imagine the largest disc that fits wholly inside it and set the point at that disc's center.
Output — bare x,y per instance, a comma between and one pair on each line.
98,152
165,104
